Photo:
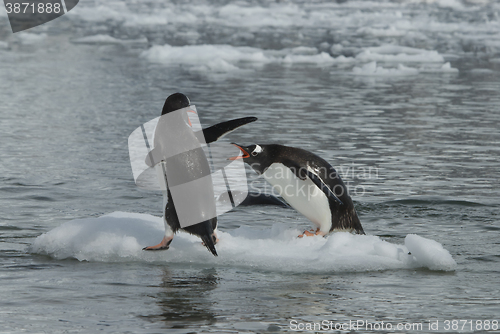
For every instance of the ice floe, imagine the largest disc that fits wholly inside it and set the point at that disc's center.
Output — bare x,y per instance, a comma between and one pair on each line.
120,237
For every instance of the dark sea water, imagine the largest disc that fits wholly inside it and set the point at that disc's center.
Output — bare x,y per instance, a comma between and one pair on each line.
414,135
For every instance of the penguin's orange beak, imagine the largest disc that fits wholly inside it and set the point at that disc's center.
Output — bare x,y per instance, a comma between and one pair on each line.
245,153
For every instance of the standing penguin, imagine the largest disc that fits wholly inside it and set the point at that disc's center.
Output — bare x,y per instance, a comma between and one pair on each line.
177,153
308,183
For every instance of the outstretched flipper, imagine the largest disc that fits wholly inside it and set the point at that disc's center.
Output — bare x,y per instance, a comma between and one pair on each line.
214,132
211,134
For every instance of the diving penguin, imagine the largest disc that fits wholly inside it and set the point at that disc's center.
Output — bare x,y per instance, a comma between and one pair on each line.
308,183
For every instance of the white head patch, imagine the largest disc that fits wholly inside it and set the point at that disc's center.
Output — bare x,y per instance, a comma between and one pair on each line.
257,150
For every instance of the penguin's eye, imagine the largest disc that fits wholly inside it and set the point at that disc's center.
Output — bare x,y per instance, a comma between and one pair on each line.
256,151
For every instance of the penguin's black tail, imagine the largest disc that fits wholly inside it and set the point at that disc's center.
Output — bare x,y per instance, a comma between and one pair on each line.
204,231
209,243
360,231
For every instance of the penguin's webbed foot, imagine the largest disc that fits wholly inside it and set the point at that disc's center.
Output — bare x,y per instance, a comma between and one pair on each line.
312,233
163,245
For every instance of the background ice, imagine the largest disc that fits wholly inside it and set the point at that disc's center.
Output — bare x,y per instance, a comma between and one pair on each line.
403,32
120,236
222,58
30,38
373,69
213,57
106,39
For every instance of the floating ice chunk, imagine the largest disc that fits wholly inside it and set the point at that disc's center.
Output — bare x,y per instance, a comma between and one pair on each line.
480,71
99,239
4,45
304,51
304,54
201,54
106,39
344,59
429,253
371,69
396,53
30,38
322,58
120,236
222,58
216,65
381,32
445,68
430,56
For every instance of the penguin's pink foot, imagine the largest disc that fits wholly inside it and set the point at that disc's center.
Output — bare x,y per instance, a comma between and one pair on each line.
163,245
310,234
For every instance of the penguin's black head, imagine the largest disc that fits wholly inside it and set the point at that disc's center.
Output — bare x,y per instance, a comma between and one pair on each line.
257,156
175,102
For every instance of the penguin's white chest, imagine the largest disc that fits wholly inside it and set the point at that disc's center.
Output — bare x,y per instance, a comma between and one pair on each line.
303,195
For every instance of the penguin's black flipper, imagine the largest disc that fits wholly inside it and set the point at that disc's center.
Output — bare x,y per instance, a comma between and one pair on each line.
324,188
302,173
216,131
254,198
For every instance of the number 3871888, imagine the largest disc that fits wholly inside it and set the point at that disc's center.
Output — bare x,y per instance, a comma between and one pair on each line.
31,8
